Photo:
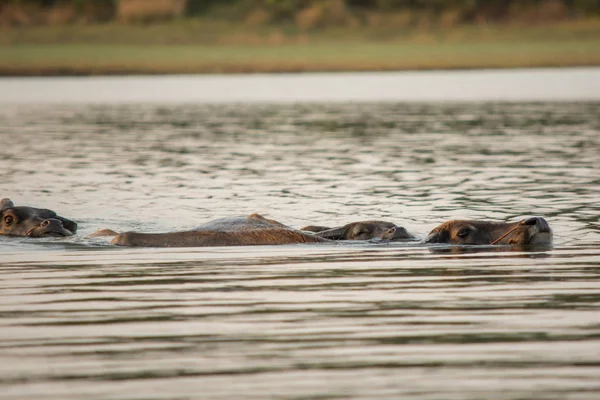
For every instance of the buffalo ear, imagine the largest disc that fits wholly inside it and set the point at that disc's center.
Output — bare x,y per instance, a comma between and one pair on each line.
390,233
68,224
6,203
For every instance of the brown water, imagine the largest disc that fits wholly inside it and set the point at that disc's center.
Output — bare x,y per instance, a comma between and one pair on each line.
80,319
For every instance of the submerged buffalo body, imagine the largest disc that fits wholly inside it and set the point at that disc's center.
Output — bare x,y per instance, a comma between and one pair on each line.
525,232
362,230
243,231
32,222
256,230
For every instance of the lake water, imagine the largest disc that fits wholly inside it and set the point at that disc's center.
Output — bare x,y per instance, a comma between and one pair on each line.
81,319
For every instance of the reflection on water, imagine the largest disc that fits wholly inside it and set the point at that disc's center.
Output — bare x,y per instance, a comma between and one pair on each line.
530,84
79,319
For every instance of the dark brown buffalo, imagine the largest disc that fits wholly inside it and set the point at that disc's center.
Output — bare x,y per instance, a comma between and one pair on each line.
32,222
362,230
243,231
527,231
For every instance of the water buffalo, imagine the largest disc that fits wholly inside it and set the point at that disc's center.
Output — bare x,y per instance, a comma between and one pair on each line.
362,230
241,231
32,222
527,231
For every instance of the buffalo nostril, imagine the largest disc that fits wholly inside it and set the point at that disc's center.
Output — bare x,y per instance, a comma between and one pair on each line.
532,221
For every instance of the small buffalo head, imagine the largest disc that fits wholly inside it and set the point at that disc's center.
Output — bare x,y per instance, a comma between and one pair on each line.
365,230
32,222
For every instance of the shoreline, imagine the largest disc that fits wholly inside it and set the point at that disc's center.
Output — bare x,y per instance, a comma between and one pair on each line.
189,47
109,61
249,70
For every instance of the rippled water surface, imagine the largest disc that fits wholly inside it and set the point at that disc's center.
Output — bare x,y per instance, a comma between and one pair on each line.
81,319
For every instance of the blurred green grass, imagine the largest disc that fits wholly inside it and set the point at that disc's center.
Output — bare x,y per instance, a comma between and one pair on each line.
194,46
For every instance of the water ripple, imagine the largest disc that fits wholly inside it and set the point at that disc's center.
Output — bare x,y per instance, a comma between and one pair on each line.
79,319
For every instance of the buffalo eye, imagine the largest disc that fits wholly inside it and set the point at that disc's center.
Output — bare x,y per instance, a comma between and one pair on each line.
8,220
463,233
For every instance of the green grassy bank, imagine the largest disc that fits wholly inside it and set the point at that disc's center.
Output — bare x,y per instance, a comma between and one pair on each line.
195,46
